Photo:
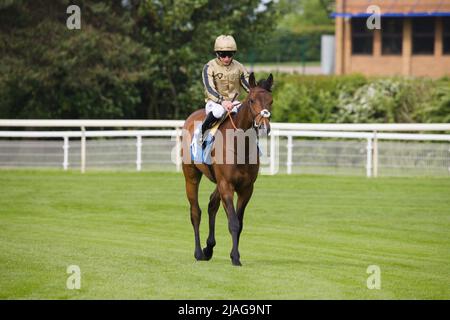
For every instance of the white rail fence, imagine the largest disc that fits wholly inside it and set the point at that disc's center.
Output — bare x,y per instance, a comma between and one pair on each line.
297,148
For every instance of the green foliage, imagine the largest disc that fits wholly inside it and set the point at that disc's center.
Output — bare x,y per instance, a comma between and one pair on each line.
185,32
141,59
144,60
88,75
356,99
298,33
439,108
307,16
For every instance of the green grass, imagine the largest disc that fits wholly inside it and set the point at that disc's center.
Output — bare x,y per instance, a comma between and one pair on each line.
305,237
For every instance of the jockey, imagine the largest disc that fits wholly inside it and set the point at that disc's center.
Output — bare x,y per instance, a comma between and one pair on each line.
223,77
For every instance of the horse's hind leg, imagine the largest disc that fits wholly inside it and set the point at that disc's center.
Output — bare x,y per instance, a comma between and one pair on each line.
213,207
193,177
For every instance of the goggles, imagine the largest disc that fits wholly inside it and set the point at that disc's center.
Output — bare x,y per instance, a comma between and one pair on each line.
224,54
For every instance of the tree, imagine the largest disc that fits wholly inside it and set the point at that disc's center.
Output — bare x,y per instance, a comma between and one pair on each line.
131,59
297,36
306,16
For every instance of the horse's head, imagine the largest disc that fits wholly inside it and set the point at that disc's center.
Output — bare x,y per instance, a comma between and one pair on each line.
259,101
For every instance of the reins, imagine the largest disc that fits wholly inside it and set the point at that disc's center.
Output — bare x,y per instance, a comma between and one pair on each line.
231,119
263,114
229,112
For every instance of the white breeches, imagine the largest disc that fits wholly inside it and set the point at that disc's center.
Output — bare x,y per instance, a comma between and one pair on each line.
218,110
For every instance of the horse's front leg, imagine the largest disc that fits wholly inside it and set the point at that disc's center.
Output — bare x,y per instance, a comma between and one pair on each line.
244,196
213,207
226,193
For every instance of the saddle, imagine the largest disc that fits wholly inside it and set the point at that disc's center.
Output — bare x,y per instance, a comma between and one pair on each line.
216,126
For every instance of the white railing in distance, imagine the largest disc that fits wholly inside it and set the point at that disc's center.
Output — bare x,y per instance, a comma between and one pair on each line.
370,132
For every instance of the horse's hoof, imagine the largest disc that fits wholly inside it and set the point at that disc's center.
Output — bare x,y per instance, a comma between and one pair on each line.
236,263
208,253
199,256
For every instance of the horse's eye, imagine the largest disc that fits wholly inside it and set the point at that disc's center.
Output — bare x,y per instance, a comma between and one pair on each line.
251,100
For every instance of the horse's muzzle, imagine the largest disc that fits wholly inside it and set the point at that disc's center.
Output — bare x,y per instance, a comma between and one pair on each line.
264,128
264,125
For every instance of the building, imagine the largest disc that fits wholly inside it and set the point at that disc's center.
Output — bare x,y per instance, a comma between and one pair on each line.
414,39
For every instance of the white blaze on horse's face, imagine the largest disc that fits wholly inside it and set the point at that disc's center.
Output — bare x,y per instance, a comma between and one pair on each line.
260,103
262,120
263,127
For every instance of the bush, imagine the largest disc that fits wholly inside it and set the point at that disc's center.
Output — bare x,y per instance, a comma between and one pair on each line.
357,99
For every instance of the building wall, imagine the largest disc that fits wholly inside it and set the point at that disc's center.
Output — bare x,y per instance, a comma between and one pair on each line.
406,64
428,66
376,66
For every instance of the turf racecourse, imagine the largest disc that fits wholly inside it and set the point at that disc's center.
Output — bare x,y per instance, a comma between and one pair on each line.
305,237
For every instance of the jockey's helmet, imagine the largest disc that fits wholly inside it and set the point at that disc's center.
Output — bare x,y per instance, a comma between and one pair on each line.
225,43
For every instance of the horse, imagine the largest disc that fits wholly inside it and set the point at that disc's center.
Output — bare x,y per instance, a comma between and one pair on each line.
235,177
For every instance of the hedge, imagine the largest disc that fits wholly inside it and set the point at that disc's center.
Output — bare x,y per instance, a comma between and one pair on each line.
359,99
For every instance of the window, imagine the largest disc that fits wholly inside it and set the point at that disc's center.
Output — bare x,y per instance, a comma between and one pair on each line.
392,35
446,34
423,35
362,37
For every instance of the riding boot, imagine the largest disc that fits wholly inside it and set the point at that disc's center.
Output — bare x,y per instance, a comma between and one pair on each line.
207,124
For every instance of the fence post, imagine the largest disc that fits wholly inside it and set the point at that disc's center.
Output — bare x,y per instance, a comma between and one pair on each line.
375,155
83,149
369,158
178,149
138,153
66,153
272,153
289,154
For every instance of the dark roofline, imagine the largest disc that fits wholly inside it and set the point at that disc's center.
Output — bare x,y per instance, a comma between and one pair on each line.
391,15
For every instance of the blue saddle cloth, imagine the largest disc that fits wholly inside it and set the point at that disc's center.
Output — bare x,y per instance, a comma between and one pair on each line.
200,155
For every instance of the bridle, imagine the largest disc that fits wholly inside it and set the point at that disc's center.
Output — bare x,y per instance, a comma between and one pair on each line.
255,124
264,113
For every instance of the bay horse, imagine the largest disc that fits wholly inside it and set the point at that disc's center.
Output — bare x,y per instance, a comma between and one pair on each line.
253,114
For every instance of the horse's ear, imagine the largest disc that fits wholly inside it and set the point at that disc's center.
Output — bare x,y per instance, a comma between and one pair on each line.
269,83
251,80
